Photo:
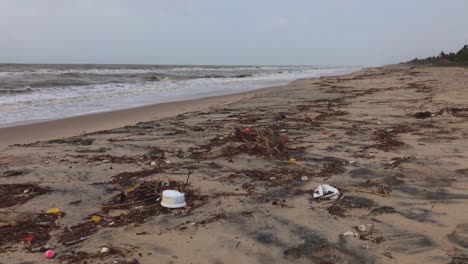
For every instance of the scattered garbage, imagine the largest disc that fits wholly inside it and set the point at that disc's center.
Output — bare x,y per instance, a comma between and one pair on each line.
292,160
304,178
49,254
247,130
153,163
326,191
105,250
272,179
173,199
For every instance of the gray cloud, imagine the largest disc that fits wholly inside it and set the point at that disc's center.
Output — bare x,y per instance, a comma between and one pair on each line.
358,32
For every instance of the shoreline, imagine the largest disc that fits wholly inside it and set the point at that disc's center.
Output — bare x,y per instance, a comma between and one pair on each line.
47,129
24,133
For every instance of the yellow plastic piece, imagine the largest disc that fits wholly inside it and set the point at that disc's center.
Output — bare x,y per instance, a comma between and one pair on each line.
53,211
96,219
132,189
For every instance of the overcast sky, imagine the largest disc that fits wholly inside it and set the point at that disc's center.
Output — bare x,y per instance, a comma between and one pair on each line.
281,32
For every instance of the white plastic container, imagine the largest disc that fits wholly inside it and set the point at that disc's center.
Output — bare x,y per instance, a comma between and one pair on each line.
173,199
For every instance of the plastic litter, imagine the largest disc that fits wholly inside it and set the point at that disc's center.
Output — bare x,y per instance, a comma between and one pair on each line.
173,199
49,254
247,130
53,211
272,178
29,239
349,233
153,163
326,191
304,178
96,219
292,160
220,119
105,250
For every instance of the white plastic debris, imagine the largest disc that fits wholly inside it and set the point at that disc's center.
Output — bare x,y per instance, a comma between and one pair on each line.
173,199
362,228
153,163
326,191
272,178
304,178
349,233
105,250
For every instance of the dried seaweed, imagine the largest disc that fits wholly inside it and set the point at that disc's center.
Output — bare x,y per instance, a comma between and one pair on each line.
84,257
128,178
330,114
386,140
36,226
73,141
262,142
14,194
77,233
143,201
111,159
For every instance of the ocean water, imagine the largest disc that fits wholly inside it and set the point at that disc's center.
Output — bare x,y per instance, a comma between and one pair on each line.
29,93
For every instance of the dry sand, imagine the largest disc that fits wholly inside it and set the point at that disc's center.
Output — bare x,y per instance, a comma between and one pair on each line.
402,177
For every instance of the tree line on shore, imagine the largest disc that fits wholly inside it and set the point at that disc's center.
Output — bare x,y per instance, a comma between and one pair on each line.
459,58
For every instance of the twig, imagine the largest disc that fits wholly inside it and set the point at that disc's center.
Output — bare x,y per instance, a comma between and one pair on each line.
118,205
76,241
188,175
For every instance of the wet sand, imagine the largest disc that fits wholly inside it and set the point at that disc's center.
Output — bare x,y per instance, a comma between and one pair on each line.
394,141
74,126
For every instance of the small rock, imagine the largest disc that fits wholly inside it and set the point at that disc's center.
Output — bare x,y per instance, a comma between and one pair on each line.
304,178
153,163
272,178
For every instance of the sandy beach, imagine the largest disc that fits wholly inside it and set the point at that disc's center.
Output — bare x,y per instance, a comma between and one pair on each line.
392,140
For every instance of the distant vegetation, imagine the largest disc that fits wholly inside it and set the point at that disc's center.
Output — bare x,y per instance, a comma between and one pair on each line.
451,59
